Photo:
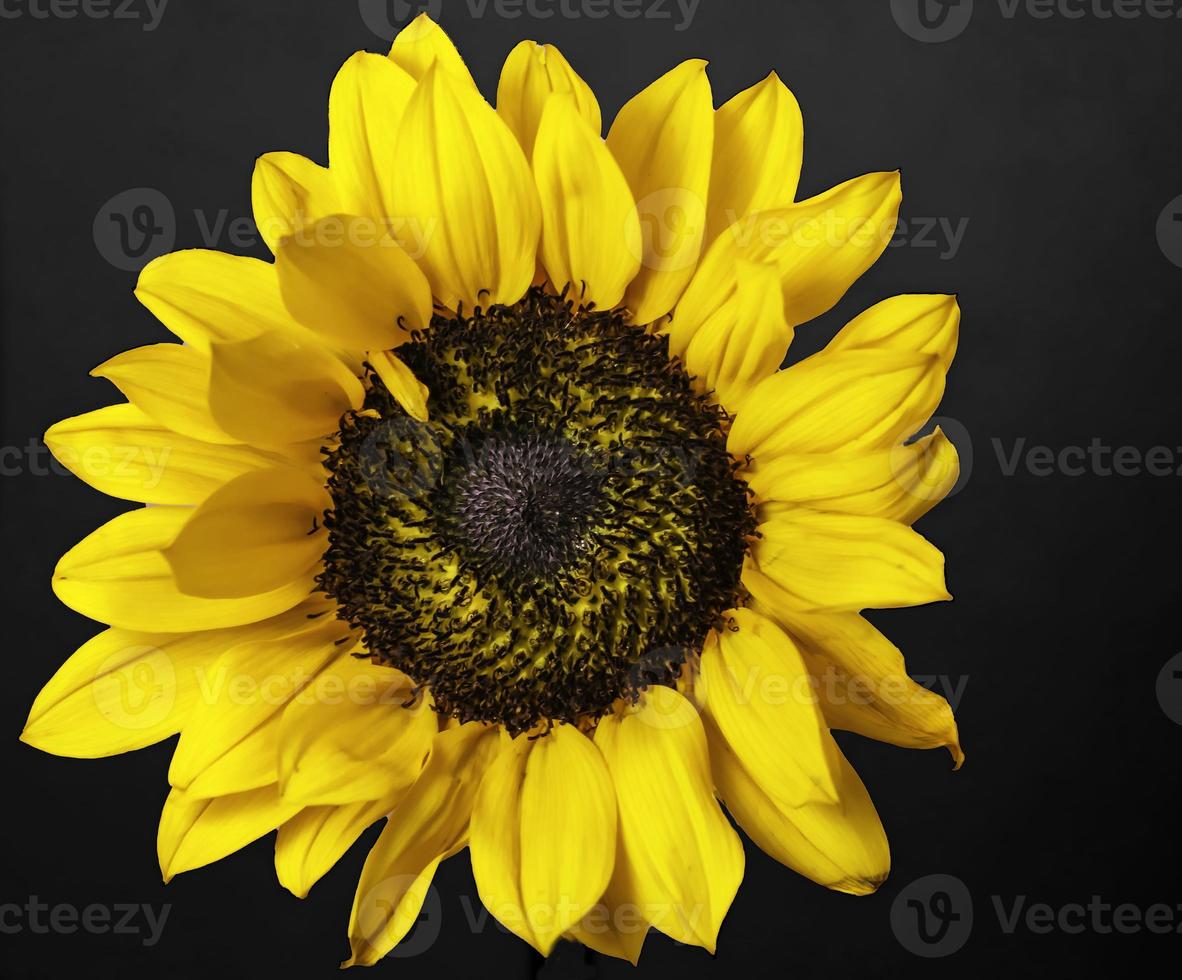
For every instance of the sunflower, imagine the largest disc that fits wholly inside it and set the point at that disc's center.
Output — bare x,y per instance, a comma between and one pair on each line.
486,509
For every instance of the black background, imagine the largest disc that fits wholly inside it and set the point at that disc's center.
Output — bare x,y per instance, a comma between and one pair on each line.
1057,140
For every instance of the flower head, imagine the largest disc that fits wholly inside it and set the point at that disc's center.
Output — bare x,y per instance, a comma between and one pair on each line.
487,508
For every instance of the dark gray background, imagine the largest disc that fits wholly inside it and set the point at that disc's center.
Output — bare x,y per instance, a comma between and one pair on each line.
1056,139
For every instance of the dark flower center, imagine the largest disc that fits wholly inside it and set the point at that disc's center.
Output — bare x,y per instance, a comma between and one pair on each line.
561,533
524,503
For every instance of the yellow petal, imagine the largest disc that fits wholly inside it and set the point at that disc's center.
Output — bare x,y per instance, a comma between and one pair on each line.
927,470
352,284
401,382
288,191
563,872
125,453
900,484
832,239
122,690
257,533
246,765
423,43
273,390
118,575
429,824
365,105
927,324
747,339
864,683
248,687
464,189
544,834
312,841
616,925
847,401
531,74
196,832
204,296
820,246
758,148
844,563
353,734
839,845
663,139
684,859
756,689
590,231
170,382
496,839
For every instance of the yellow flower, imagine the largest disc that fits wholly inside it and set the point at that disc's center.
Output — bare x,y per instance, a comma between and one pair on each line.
487,508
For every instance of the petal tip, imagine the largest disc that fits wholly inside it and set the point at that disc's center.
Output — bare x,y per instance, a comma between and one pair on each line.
860,887
28,736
